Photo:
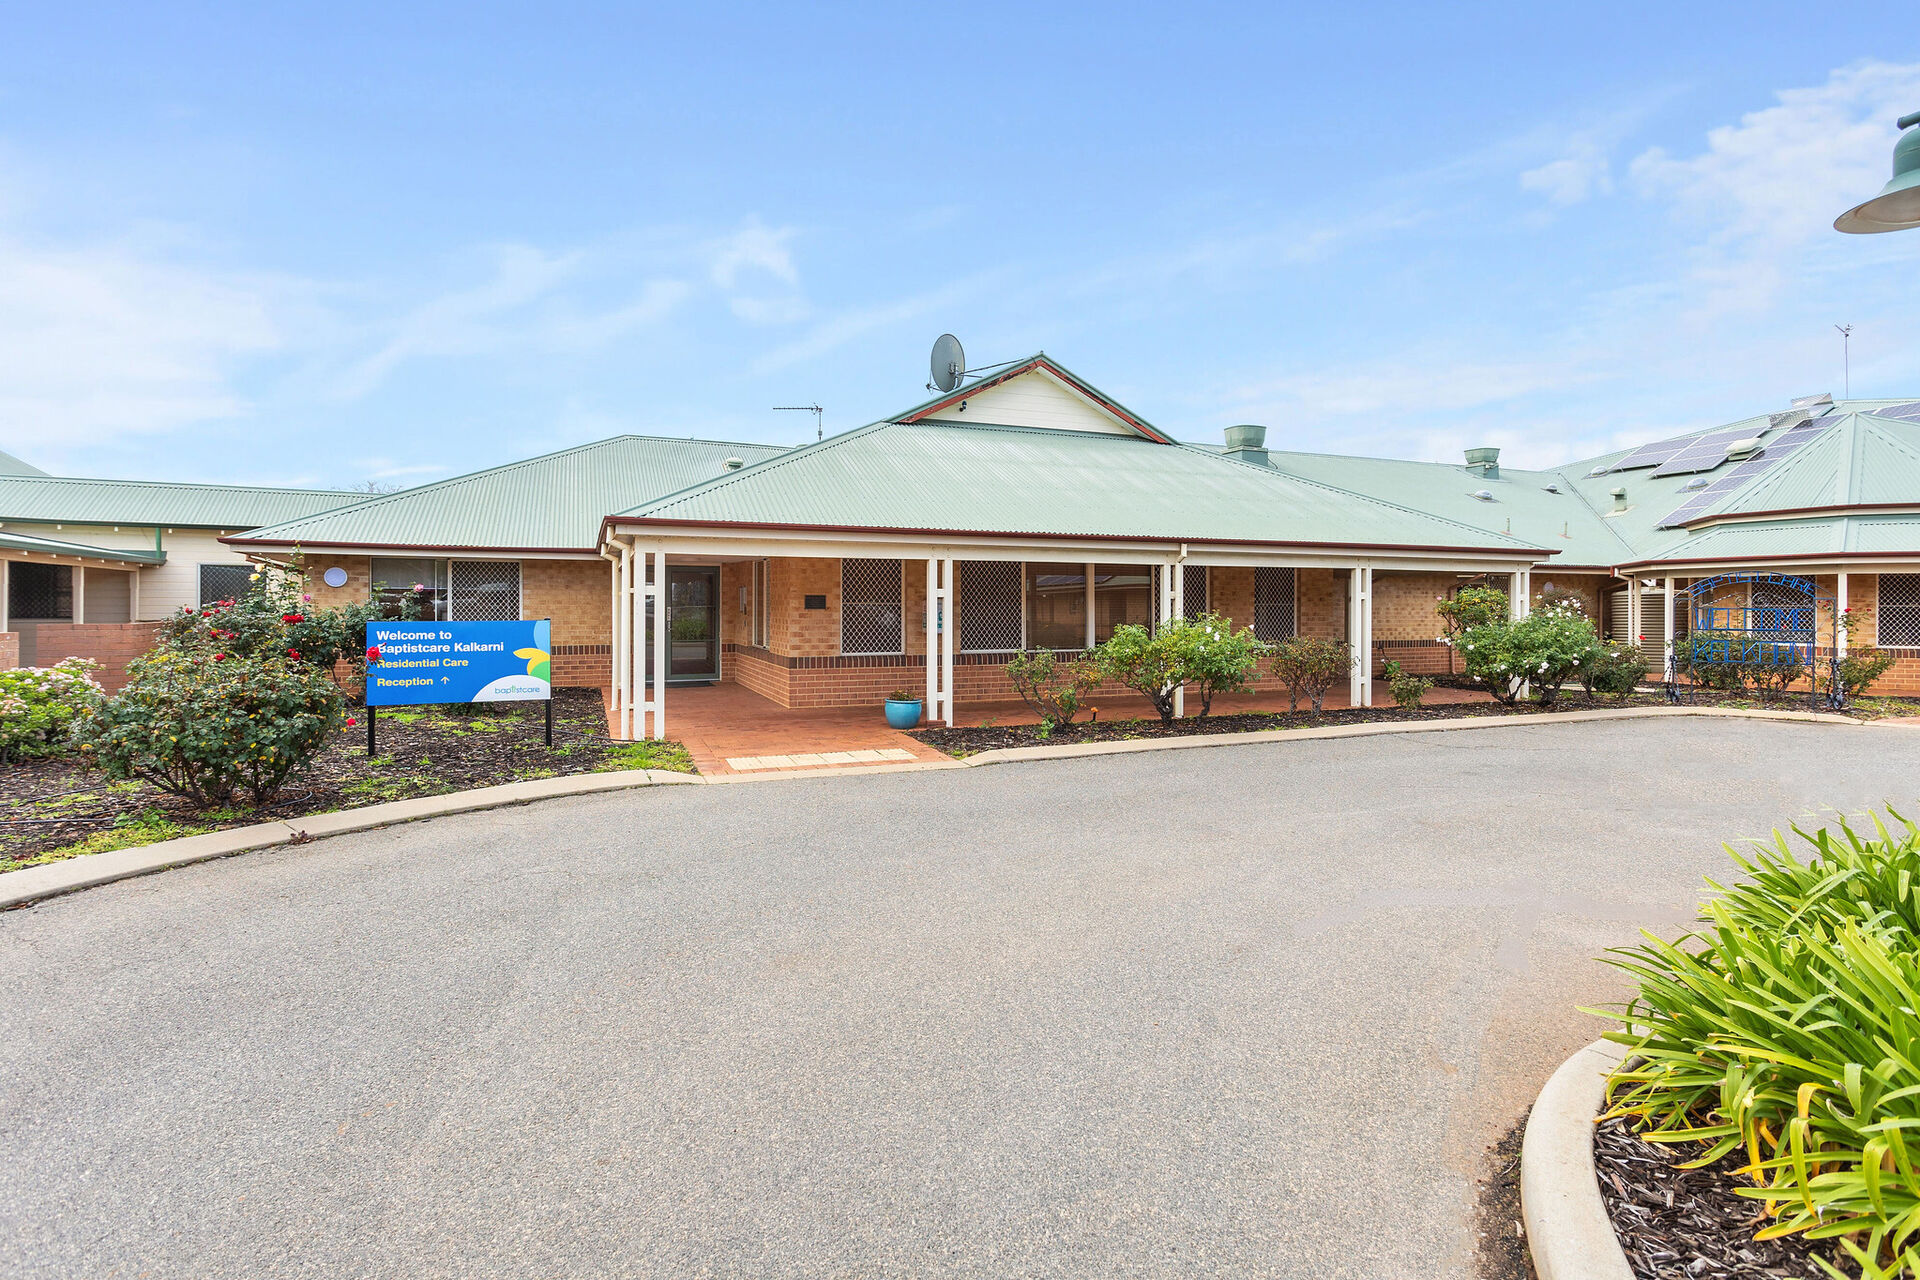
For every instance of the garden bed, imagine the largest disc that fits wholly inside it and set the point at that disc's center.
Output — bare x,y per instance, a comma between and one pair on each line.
1688,1224
59,808
966,741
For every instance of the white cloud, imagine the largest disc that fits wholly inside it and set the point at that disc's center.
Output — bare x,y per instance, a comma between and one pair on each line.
111,339
1782,174
1580,174
754,248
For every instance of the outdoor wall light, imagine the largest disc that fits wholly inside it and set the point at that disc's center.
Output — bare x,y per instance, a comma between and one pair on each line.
1897,207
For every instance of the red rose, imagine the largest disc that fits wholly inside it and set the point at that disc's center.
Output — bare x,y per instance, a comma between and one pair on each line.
219,657
373,654
293,653
291,617
351,722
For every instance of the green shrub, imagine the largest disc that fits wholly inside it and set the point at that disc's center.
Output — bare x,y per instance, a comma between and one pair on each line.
1543,650
1054,688
1786,1029
39,706
1407,689
1863,664
1149,663
1472,607
1311,666
1615,673
212,727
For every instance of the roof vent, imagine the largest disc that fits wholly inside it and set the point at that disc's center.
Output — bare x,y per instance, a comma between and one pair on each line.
1248,442
1744,448
734,464
1695,484
1483,495
1553,488
1486,461
1619,499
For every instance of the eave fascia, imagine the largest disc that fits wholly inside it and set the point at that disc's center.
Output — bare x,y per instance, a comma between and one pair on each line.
288,545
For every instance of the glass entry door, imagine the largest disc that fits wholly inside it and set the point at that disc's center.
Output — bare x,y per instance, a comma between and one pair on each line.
693,624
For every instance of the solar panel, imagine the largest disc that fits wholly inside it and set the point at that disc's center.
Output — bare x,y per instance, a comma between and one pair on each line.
1785,446
1649,455
1904,412
1703,453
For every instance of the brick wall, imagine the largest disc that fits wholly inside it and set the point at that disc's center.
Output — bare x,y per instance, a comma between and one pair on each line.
111,644
9,650
1863,597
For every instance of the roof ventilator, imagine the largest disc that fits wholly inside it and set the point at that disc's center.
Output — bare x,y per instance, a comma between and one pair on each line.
1619,500
734,464
1247,442
1744,448
1486,461
1483,495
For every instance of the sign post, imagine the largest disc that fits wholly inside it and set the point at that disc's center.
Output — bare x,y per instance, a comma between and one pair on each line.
411,663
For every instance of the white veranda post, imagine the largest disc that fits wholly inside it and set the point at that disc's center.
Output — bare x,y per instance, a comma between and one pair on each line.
1360,637
1636,622
1519,605
1666,631
1170,606
1839,613
942,620
647,644
622,708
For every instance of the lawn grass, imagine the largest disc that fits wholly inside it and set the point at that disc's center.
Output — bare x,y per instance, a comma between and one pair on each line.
648,753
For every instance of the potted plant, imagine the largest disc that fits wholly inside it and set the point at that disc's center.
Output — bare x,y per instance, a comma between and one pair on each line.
903,709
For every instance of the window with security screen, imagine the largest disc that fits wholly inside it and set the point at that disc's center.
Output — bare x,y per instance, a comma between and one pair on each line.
1193,590
1273,604
870,610
40,592
410,585
483,590
224,582
1900,610
990,592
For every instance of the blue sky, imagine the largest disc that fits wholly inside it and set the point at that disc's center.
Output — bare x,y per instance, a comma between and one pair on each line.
349,243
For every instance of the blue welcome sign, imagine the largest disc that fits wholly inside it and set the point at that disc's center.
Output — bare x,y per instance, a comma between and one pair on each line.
421,662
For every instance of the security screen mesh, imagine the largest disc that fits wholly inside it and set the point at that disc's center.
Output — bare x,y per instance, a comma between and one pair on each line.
1273,618
1193,590
870,606
224,581
1900,610
40,592
989,606
484,590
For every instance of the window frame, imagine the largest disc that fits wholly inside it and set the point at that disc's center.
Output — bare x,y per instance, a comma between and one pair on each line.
1020,601
200,580
900,607
1909,608
519,589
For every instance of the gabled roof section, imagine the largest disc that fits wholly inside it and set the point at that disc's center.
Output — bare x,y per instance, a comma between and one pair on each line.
12,466
939,477
42,499
1040,392
1829,537
550,503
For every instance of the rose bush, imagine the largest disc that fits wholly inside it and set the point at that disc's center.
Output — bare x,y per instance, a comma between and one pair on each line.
1543,651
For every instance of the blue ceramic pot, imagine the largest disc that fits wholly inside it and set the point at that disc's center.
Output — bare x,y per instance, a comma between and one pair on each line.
903,714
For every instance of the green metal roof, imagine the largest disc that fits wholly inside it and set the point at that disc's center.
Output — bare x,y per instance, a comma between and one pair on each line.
1519,501
51,546
1810,537
68,500
551,503
983,478
1861,460
12,466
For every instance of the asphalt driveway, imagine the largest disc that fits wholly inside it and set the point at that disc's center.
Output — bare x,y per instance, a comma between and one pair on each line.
1249,1011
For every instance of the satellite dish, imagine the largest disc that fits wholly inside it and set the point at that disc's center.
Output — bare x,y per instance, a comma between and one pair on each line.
949,362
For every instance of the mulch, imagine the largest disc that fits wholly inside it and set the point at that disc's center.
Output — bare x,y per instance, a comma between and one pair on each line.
46,804
970,740
1687,1224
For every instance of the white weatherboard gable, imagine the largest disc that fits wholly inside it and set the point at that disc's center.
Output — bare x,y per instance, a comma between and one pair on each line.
1035,399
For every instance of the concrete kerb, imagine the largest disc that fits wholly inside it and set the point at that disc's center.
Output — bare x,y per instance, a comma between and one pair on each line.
18,888
1568,1230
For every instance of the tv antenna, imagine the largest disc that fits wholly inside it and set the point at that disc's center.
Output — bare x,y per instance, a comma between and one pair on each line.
1846,360
819,431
